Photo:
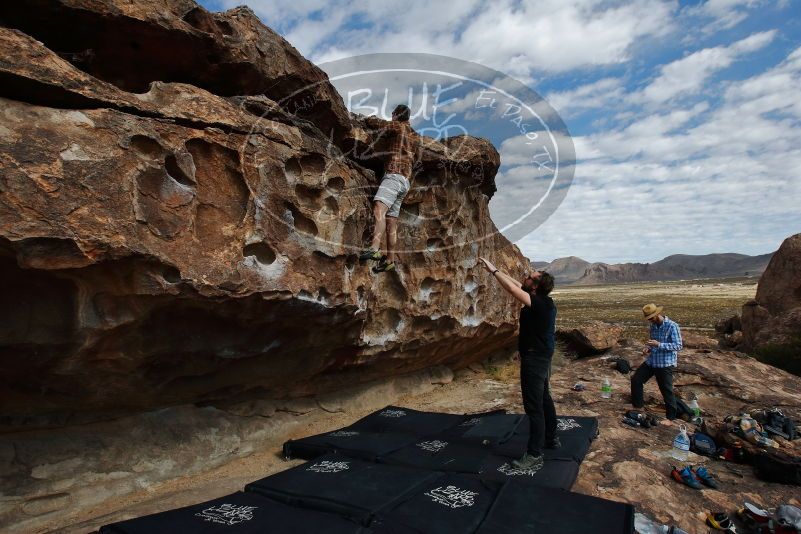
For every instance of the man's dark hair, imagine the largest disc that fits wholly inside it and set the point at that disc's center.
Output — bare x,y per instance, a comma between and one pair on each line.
545,284
402,112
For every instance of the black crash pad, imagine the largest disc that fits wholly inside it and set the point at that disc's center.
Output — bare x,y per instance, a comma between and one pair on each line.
486,429
437,454
243,513
453,503
569,426
523,509
338,484
395,419
573,447
366,445
559,474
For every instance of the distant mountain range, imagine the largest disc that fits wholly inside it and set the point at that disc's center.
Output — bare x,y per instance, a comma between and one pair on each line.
573,270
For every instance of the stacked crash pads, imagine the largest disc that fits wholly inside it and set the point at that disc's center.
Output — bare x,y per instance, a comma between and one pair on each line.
405,471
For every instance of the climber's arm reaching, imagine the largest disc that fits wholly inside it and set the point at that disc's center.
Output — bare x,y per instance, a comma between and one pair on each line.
511,285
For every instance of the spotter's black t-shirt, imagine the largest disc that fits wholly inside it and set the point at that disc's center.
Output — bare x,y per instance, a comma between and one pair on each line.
537,325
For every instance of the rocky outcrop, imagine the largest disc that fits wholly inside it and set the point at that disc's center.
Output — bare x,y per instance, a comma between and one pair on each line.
771,323
729,332
565,270
675,267
182,203
590,338
693,340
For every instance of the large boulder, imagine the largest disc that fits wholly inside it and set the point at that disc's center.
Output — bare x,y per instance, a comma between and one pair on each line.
771,322
590,338
175,227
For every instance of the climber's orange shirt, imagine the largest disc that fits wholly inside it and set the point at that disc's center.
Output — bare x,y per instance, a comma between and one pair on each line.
402,148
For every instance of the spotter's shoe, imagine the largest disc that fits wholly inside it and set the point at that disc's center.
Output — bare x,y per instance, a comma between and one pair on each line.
528,461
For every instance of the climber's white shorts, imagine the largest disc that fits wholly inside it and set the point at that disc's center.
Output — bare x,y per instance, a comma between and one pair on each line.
391,193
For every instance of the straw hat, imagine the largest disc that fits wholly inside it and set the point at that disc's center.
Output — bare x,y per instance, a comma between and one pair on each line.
651,310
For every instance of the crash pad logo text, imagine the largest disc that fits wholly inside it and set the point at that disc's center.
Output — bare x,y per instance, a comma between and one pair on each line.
343,434
509,470
566,424
327,466
452,497
432,446
227,514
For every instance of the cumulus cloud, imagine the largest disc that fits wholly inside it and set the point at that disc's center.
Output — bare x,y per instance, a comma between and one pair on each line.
696,180
519,38
688,74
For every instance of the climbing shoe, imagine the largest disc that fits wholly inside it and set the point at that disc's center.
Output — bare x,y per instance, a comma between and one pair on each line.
529,461
370,254
706,479
685,476
720,521
384,267
552,443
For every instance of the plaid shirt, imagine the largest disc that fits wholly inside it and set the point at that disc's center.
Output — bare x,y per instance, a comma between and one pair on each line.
669,337
402,147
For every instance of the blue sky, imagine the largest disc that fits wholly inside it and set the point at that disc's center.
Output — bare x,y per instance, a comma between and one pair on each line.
686,116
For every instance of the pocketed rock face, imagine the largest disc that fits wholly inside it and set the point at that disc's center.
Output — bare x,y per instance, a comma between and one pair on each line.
174,228
771,323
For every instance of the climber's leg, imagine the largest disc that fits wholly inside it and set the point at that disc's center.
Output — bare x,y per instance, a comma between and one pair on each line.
380,214
373,252
392,238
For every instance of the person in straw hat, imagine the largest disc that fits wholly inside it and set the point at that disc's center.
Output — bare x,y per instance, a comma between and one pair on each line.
662,351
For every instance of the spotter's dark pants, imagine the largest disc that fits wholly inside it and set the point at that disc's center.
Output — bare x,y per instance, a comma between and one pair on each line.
535,372
664,378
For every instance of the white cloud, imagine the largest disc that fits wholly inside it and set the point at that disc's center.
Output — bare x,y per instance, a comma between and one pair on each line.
596,95
688,74
695,180
724,14
518,38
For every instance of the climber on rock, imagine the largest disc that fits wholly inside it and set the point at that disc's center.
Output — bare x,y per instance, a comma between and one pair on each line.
536,347
402,152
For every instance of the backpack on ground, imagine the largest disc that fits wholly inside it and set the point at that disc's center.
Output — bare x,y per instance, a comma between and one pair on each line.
778,466
702,444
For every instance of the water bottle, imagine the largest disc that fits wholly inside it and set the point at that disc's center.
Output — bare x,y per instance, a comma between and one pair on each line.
694,406
606,389
644,525
681,445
